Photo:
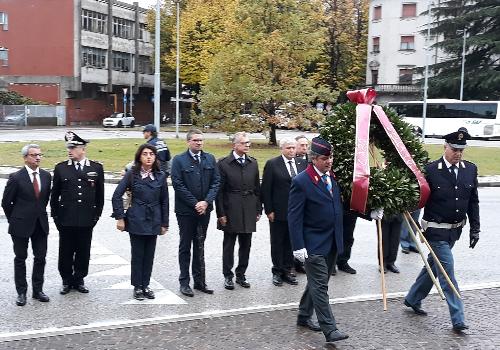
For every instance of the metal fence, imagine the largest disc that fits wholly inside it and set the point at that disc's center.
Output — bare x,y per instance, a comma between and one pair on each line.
32,115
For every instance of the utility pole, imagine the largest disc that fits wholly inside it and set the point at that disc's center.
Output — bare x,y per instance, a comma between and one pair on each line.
157,68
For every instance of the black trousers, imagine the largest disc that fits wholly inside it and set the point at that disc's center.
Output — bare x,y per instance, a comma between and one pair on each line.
39,247
245,242
193,231
391,230
281,248
74,253
142,256
349,224
315,296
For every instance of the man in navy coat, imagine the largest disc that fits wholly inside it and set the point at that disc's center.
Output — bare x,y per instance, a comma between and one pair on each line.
453,198
24,202
315,224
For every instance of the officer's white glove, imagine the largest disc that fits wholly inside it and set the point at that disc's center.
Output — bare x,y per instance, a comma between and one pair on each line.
300,255
377,214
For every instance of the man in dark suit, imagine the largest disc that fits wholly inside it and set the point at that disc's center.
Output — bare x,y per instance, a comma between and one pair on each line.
301,148
276,181
453,199
315,224
76,205
24,202
196,181
238,208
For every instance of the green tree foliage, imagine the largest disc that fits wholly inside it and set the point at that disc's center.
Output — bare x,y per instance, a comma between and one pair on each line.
343,60
263,66
13,98
481,19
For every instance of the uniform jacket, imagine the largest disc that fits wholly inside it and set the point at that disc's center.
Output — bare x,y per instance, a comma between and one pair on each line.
20,205
276,182
451,200
194,182
148,211
77,197
239,194
315,216
163,153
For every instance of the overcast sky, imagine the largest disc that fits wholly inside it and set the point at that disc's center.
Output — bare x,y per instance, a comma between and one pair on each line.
142,3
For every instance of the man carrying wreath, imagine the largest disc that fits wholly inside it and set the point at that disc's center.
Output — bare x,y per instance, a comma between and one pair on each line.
454,197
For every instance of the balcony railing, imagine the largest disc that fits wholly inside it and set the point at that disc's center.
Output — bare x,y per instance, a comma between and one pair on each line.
401,88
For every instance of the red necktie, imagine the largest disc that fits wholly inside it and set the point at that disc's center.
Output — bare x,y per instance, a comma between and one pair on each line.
36,188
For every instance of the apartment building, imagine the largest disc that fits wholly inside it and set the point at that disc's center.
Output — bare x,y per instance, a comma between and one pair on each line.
80,54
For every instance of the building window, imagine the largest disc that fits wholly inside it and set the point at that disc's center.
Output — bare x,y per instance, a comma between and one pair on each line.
121,61
376,44
4,56
94,21
143,33
374,76
123,28
405,76
409,10
145,66
407,42
377,13
93,57
4,21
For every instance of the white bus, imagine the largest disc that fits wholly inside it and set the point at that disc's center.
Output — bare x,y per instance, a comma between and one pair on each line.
481,118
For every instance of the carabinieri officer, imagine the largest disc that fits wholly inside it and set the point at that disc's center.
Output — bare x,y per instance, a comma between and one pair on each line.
76,205
453,198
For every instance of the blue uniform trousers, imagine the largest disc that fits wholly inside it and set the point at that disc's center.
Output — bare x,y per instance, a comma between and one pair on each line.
405,239
423,284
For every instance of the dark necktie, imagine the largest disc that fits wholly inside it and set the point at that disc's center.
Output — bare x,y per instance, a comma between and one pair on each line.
78,167
453,171
292,170
241,160
36,187
197,158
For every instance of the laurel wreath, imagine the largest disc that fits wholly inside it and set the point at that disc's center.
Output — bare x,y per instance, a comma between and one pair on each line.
393,187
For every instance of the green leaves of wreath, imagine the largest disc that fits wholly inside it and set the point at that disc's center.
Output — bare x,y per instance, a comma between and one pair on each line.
393,188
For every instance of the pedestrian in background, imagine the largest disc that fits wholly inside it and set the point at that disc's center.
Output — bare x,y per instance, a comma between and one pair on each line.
301,147
391,230
195,178
238,208
276,182
24,203
453,199
145,218
315,222
76,206
407,243
163,153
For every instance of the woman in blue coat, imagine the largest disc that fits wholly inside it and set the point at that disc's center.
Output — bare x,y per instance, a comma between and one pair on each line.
146,217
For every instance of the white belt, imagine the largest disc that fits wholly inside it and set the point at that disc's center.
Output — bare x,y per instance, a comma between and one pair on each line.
426,224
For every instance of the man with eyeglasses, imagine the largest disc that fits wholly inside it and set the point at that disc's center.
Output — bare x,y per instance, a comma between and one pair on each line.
453,199
24,202
195,179
76,206
238,208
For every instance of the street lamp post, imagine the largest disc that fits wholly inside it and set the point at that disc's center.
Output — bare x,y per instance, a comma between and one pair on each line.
463,68
426,71
177,67
157,68
125,100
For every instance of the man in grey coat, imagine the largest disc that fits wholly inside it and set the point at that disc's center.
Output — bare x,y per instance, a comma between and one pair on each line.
238,207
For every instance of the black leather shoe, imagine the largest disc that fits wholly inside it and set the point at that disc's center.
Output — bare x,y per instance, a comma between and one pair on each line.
65,289
460,327
203,289
300,268
148,293
346,268
277,281
413,249
228,283
336,335
405,250
392,268
138,293
242,281
287,278
81,288
41,296
417,309
187,291
21,299
312,325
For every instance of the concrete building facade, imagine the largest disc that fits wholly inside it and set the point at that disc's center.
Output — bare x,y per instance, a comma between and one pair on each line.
80,54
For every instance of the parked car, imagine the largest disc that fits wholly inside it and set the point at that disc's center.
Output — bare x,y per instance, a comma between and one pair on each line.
14,118
119,120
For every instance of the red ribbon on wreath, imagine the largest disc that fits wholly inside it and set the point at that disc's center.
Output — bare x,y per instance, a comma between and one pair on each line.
361,176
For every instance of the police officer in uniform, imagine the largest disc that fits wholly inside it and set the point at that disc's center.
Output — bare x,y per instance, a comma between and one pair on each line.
453,198
76,205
